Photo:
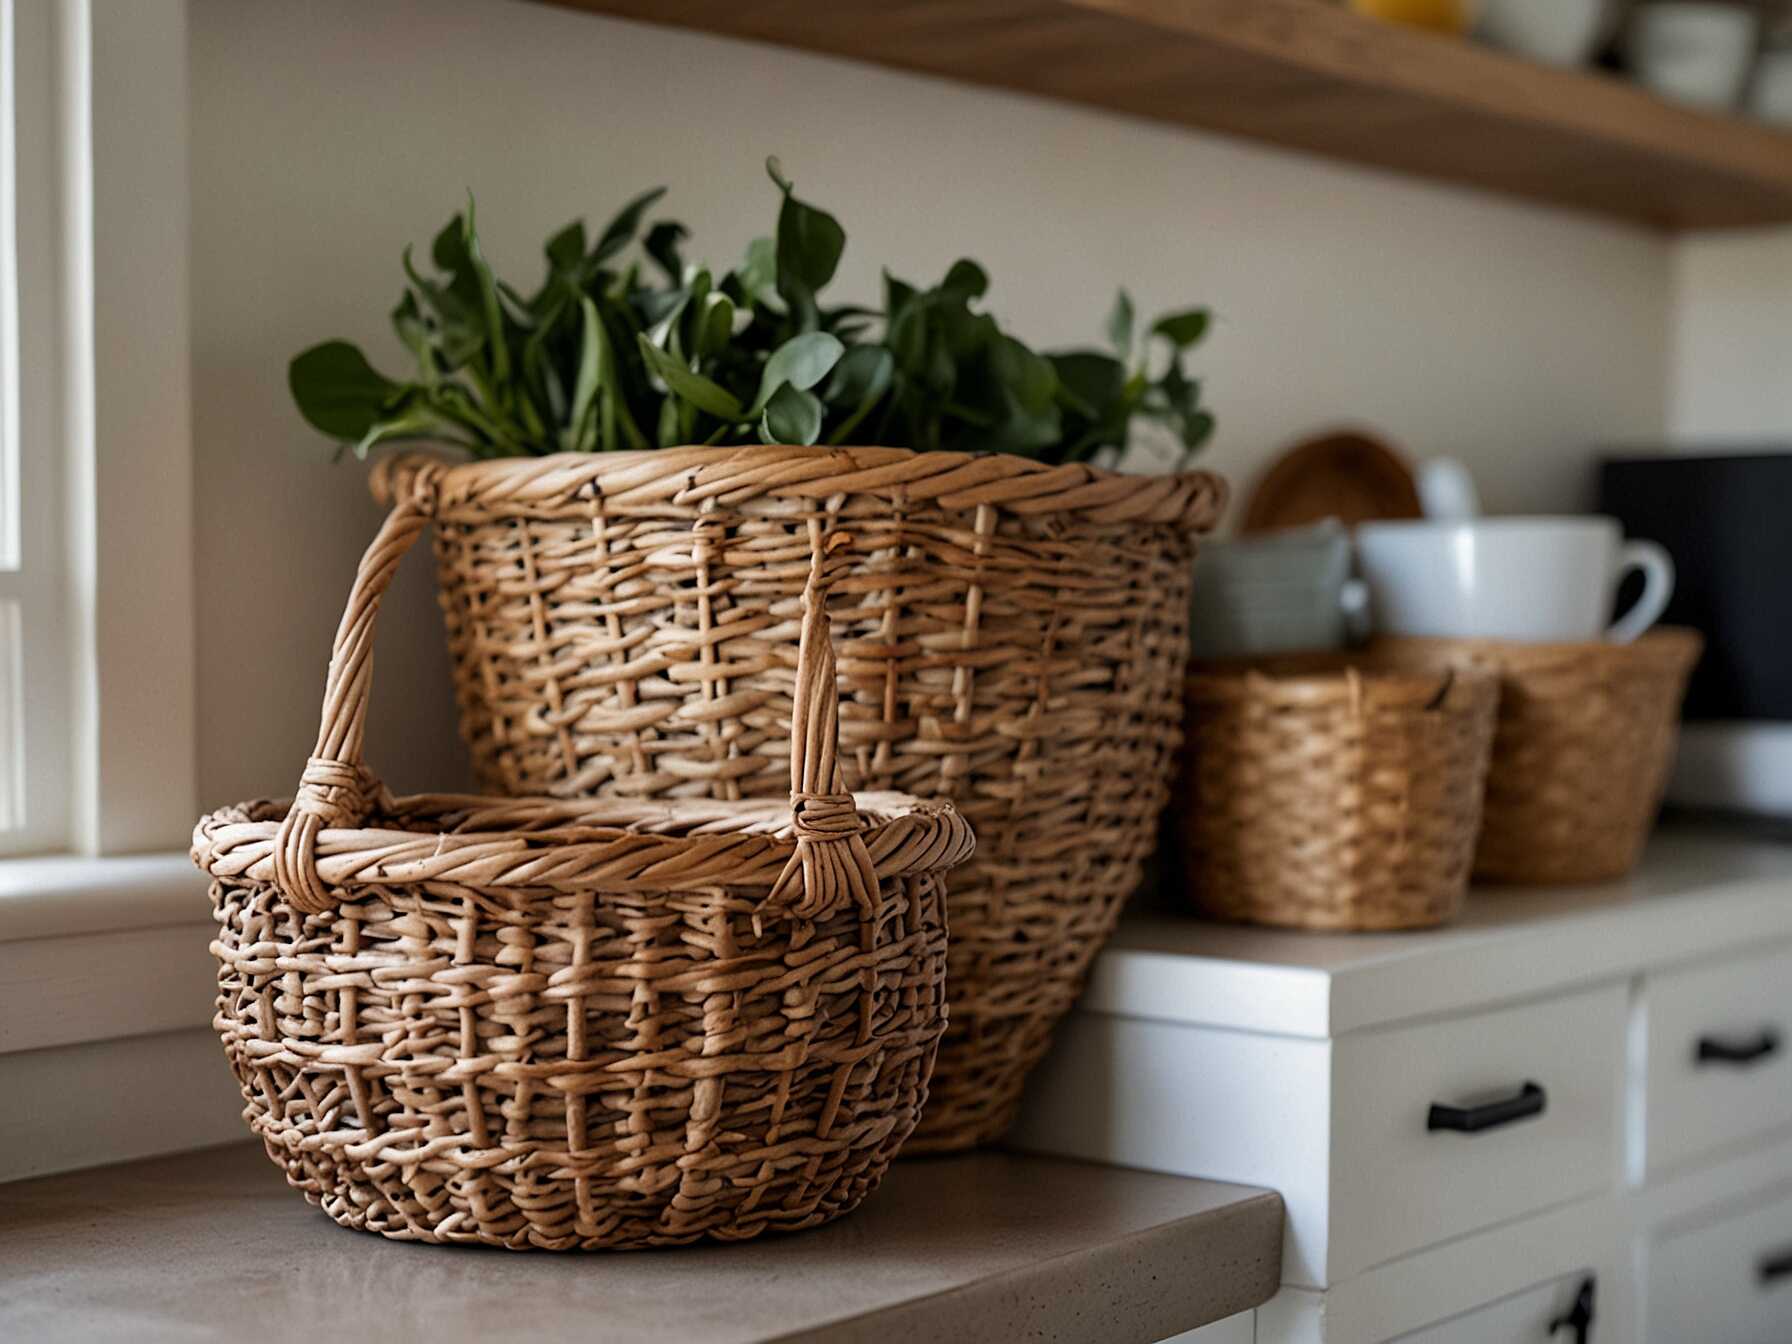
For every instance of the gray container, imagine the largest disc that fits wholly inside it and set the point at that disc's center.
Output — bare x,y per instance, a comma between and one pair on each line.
1282,592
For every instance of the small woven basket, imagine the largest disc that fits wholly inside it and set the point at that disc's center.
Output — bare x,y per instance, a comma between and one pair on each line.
1581,756
565,1025
1323,792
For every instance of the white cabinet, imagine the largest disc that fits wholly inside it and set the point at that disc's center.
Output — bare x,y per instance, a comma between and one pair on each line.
1556,1308
1468,1124
1729,1279
1716,1064
1445,1127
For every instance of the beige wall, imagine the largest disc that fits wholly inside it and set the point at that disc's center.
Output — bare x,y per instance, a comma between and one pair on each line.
1732,333
328,134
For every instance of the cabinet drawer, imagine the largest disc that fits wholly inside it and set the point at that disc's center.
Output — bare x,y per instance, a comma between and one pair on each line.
1537,1090
1728,1281
1526,1316
1718,1057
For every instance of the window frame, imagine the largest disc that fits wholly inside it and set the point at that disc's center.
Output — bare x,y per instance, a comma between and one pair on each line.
105,589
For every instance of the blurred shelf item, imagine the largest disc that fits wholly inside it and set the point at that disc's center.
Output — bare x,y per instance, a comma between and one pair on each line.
1344,475
1310,75
1440,16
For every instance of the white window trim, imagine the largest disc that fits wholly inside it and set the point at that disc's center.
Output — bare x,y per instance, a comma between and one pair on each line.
106,942
135,750
106,399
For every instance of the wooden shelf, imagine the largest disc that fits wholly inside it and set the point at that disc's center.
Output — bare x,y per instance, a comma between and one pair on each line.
1309,75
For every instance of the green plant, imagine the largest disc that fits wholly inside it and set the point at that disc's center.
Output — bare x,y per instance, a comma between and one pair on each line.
625,344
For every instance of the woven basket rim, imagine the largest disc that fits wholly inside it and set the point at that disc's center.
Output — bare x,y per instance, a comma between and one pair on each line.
589,845
1664,643
1392,687
697,475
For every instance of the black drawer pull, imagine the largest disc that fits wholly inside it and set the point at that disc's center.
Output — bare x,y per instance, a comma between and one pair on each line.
1775,1267
1579,1317
1530,1101
1729,1050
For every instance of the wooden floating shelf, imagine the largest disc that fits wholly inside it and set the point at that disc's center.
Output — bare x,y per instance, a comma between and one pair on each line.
1309,75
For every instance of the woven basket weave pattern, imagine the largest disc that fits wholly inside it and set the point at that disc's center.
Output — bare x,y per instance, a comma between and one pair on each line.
1581,757
1343,798
564,1070
1010,637
532,1023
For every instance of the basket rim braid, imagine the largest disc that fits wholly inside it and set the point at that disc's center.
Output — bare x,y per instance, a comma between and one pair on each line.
1298,680
811,853
736,476
549,844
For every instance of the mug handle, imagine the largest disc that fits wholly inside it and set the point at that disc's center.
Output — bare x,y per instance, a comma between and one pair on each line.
1657,569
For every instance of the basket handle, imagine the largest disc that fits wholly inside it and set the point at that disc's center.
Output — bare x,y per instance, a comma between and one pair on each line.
831,863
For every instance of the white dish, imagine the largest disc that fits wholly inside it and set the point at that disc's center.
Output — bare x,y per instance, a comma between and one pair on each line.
1556,32
1697,53
1541,580
1770,98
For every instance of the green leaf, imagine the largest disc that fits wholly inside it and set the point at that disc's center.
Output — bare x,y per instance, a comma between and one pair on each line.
591,350
809,245
757,275
1120,322
662,245
859,381
566,249
801,362
965,281
417,423
898,294
715,325
1088,381
1196,430
487,286
792,416
407,321
338,391
1027,377
620,230
1183,329
461,330
693,387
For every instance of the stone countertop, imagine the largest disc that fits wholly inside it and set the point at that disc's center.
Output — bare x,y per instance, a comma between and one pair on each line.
990,1246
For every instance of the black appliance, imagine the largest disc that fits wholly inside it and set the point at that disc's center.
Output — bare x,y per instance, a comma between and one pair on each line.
1726,518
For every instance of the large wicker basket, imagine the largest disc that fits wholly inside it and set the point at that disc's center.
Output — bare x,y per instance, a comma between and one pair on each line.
1582,752
1012,637
558,1025
1320,792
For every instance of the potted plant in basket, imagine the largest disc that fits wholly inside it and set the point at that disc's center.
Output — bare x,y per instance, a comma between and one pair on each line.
657,449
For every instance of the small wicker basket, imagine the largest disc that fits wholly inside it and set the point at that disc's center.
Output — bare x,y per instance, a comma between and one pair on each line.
1581,755
566,1025
1324,792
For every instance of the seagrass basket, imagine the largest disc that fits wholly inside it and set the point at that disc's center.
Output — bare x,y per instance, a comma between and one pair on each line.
564,1025
1581,755
1011,637
1322,792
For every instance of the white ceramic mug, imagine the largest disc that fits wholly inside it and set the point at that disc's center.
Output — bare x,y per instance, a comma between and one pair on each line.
1540,580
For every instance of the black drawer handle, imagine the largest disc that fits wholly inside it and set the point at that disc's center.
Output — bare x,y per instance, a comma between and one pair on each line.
1729,1050
1579,1317
1530,1101
1775,1267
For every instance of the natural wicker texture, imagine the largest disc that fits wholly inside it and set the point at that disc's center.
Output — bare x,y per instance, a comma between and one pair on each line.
1581,757
534,1023
1319,792
1012,637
